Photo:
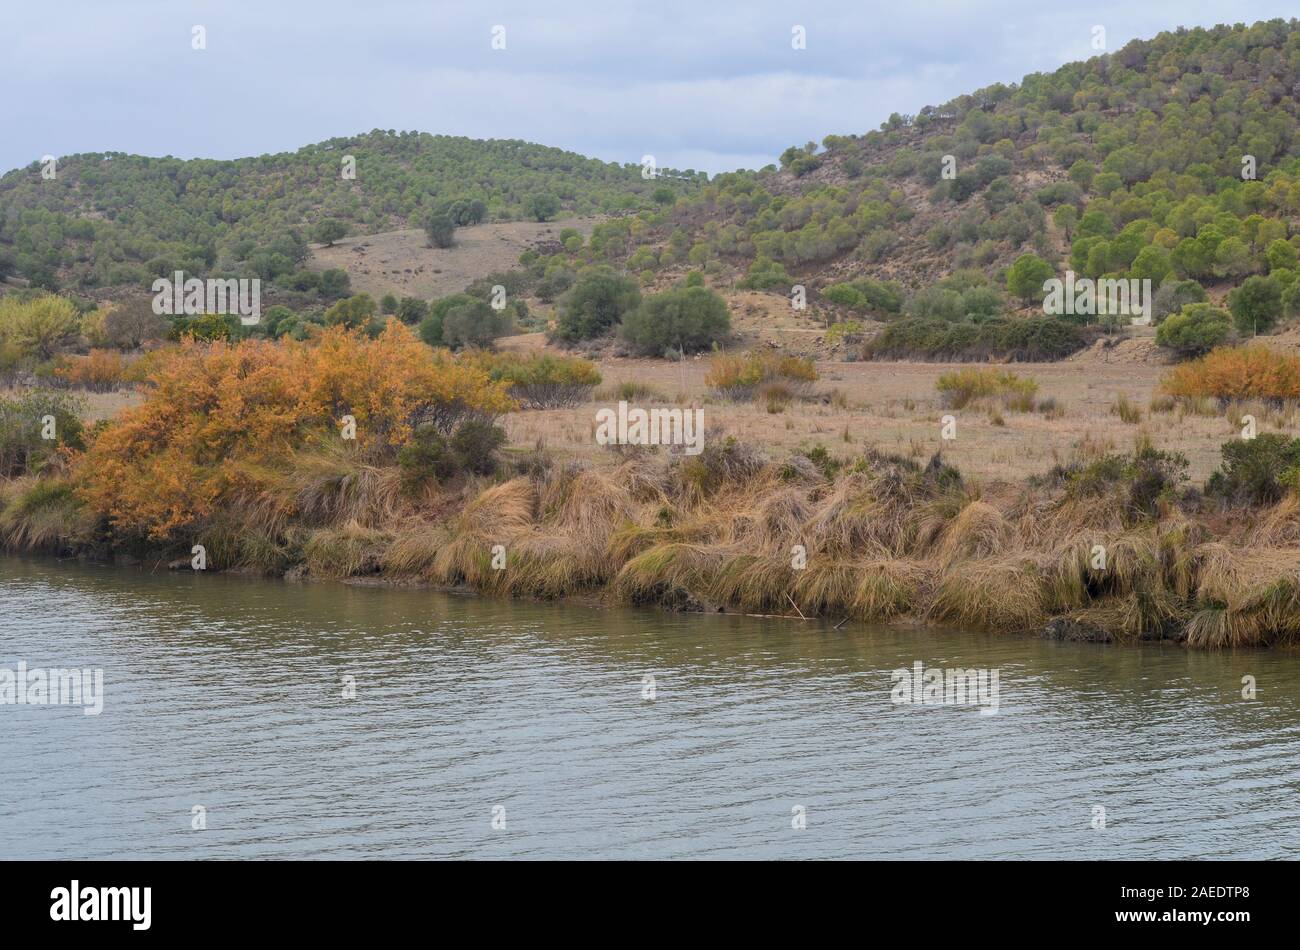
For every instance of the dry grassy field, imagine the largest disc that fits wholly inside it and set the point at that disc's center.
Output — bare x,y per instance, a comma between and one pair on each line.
895,407
401,263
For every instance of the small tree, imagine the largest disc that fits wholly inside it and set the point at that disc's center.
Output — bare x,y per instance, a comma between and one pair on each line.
441,230
354,312
1026,276
1256,305
542,207
412,310
328,230
388,304
473,324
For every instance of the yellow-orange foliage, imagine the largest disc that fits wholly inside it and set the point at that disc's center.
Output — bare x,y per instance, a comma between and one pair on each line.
214,413
101,369
1246,372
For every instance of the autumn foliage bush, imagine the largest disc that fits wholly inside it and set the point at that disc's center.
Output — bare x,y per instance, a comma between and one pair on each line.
100,370
1247,372
219,419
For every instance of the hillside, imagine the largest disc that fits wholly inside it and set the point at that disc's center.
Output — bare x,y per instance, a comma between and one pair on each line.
1127,165
119,220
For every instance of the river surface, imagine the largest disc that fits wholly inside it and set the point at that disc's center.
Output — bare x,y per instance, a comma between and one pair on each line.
485,728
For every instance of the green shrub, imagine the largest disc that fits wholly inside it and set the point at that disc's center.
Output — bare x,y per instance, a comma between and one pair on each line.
1195,330
1039,339
688,319
1257,471
23,448
472,447
598,301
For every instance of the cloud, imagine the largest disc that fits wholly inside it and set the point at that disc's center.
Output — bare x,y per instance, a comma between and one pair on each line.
706,85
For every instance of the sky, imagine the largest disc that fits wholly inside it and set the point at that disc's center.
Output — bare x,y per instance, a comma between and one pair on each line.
712,85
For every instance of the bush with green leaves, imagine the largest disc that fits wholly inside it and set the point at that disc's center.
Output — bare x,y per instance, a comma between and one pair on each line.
26,420
1257,471
440,229
328,230
353,313
1026,276
1195,330
412,310
541,380
471,448
1256,305
1173,295
597,302
542,207
684,319
475,323
37,326
1038,339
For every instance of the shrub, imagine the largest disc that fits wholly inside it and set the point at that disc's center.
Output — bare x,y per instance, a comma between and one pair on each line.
1257,471
1040,339
440,229
473,324
1174,295
1026,276
412,310
219,420
1142,480
742,377
765,274
100,370
354,312
23,447
685,318
1246,372
1194,331
129,324
540,380
39,326
596,302
472,447
961,387
1256,305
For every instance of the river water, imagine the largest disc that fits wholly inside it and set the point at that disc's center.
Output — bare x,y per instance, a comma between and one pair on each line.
326,720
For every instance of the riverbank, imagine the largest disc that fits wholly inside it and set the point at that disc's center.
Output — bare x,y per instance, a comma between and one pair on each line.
349,456
1102,552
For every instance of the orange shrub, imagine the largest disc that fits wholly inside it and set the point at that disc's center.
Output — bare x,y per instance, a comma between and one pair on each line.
101,370
215,415
1246,372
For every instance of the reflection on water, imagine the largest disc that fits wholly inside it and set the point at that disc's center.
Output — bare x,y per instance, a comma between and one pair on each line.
228,693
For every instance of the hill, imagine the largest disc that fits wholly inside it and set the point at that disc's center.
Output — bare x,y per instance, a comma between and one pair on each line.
111,219
1173,159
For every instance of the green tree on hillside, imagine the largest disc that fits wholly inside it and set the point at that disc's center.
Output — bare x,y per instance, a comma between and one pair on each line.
440,229
1026,276
328,230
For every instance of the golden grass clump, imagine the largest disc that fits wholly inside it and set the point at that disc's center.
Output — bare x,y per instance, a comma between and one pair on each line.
501,515
990,594
761,372
961,387
44,514
978,531
674,573
344,551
